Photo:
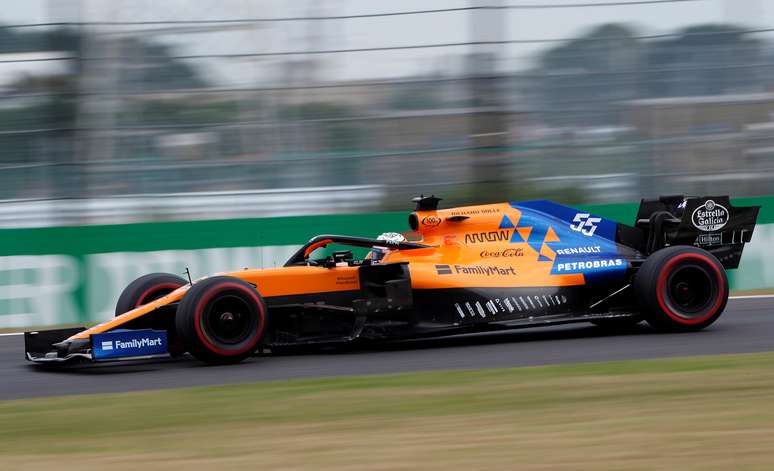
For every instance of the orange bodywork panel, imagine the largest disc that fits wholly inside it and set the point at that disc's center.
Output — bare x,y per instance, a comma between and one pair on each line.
477,253
269,282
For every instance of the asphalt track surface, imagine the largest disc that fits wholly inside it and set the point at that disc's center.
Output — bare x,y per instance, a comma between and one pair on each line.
747,326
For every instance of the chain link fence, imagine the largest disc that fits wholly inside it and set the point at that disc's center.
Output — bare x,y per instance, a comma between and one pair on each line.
101,101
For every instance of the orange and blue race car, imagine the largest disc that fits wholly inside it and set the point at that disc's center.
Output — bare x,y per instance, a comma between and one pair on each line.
465,269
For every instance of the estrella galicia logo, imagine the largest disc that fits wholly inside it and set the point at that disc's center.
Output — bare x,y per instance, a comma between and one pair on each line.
443,269
585,224
490,236
431,221
710,216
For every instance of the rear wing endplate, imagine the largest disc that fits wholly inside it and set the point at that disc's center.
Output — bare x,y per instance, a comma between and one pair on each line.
709,222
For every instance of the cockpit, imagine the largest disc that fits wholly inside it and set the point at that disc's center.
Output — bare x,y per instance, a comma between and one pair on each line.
379,247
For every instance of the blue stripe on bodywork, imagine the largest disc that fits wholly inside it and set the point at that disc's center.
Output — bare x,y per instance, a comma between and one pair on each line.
600,264
605,228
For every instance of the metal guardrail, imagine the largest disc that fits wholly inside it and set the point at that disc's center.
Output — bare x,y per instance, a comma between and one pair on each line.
189,206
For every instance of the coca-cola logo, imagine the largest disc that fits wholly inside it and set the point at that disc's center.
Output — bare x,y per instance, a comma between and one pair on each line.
501,253
710,216
431,221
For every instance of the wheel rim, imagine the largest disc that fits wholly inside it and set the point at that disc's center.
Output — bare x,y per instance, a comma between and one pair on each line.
228,320
691,290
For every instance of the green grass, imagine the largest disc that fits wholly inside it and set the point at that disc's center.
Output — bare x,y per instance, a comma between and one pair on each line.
708,413
750,292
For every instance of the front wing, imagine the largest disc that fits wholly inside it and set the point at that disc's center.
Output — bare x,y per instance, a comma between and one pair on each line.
50,346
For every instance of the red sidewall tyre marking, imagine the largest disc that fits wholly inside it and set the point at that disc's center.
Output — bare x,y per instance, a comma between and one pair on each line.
661,288
154,289
198,311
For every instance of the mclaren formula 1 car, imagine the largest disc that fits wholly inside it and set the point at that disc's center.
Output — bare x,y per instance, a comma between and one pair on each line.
466,269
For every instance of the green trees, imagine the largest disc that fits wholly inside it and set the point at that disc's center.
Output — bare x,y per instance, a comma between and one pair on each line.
582,80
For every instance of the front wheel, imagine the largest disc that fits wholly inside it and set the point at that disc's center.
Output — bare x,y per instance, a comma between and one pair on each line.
149,288
146,289
221,320
681,289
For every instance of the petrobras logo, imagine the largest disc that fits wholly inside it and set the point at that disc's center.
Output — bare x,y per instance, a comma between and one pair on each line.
589,265
489,236
505,253
710,216
585,224
479,270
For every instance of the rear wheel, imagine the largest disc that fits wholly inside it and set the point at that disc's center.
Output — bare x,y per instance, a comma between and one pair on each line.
221,320
681,289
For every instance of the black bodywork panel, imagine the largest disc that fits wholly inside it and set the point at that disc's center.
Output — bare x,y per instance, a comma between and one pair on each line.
711,223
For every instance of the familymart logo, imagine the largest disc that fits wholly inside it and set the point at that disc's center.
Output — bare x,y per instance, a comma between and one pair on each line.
134,343
474,270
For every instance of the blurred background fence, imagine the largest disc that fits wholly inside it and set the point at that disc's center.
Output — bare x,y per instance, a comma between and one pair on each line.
226,128
584,102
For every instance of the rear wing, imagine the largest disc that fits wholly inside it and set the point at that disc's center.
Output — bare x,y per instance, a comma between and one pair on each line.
709,222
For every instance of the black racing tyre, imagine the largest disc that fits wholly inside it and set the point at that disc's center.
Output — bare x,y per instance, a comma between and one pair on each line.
681,289
146,289
221,320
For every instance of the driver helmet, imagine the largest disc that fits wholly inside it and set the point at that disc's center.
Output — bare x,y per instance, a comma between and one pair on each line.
378,252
